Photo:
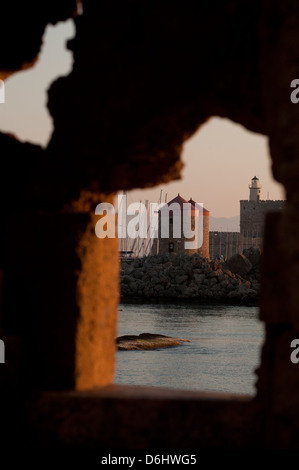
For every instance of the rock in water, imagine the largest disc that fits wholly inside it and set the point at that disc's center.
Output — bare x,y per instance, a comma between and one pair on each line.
146,341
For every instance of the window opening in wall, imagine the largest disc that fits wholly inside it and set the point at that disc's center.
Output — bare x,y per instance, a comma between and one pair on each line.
210,300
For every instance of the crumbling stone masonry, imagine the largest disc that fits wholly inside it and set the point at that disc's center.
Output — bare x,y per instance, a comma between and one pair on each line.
146,76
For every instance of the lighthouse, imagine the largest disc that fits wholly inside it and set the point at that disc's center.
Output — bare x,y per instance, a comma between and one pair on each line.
252,216
255,190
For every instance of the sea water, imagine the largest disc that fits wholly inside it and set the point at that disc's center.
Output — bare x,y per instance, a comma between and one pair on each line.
222,355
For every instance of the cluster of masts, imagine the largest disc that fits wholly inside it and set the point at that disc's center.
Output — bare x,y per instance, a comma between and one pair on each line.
138,247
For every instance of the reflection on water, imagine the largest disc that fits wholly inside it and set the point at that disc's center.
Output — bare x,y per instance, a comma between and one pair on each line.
223,352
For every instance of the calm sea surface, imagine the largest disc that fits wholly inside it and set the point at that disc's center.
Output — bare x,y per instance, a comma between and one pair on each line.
224,349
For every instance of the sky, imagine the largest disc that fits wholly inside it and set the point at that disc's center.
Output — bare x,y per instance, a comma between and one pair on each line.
220,158
24,113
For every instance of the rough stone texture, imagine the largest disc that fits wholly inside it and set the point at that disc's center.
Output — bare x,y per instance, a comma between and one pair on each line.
276,288
97,302
141,109
148,75
279,36
21,34
254,256
65,307
277,389
141,418
19,171
224,244
239,264
188,277
252,219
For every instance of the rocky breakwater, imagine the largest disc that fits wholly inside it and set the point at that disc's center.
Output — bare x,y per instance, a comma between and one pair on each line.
172,276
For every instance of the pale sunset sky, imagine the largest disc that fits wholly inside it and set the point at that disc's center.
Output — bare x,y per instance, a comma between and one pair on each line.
220,159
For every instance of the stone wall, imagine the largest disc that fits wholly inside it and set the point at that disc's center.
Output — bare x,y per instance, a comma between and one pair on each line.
224,244
148,80
179,243
252,219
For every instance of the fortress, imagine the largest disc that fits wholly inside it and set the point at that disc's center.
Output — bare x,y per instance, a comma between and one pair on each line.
216,243
252,217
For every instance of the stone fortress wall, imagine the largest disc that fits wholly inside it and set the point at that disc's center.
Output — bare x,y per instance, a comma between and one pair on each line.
223,244
252,218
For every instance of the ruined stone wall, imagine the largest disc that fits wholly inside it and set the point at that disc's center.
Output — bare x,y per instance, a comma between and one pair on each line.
148,80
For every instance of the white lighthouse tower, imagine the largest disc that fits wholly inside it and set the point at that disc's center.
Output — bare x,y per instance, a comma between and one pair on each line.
255,190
